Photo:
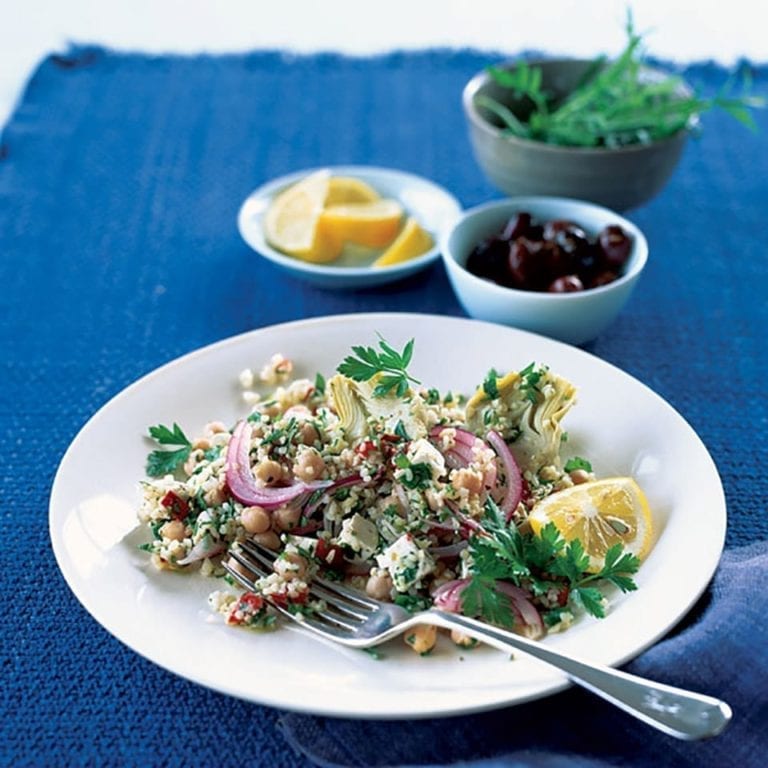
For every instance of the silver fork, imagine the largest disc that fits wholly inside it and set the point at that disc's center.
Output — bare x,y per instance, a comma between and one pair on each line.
353,619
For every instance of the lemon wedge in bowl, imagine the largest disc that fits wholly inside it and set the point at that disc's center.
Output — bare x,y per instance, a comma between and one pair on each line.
291,221
347,189
410,243
373,225
600,513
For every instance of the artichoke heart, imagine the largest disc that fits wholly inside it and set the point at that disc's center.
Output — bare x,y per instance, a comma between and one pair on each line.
361,413
528,414
349,407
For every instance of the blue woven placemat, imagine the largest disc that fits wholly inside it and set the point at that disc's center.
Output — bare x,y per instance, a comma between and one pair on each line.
120,179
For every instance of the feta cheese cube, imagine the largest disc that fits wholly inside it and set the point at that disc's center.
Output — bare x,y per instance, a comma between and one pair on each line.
406,562
421,451
360,535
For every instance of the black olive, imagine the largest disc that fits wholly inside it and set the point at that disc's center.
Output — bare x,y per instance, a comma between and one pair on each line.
527,269
489,259
603,278
615,246
566,284
516,227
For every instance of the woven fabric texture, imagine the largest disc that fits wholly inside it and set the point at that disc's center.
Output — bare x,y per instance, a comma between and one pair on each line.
120,180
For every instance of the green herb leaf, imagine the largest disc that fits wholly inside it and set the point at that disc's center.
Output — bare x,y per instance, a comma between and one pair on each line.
490,387
614,104
164,462
577,463
366,363
530,377
164,436
480,598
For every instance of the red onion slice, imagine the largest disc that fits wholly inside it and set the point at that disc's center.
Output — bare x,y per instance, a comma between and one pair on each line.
335,485
513,478
449,550
528,620
242,484
448,596
463,452
531,622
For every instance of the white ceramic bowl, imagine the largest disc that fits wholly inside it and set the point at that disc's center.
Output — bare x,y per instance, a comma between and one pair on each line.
575,318
433,207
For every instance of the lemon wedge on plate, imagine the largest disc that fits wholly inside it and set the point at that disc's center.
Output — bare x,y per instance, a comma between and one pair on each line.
373,225
291,221
347,189
410,243
599,513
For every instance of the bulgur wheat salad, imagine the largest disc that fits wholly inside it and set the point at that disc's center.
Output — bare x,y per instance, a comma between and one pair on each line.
412,494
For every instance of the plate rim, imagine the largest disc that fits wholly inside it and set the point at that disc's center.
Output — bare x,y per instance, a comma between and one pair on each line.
717,543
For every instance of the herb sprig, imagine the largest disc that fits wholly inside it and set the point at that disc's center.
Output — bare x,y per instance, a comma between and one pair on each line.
540,563
614,104
162,462
388,365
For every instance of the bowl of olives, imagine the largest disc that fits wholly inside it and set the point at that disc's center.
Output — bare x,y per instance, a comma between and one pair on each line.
556,266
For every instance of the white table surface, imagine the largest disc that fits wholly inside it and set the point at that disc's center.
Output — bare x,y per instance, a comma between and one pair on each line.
678,30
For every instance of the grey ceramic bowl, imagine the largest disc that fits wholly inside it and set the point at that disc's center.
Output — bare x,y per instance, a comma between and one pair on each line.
617,178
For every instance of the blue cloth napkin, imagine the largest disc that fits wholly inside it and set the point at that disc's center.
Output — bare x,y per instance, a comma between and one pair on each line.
120,180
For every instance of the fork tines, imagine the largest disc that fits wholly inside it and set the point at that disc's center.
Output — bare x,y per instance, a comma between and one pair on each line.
343,611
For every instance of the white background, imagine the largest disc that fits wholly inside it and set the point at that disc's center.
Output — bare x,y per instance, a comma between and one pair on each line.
678,30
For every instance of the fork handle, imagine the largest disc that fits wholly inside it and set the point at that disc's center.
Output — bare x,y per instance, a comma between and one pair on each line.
677,712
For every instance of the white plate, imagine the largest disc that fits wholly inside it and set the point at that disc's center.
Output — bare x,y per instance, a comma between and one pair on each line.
618,423
433,207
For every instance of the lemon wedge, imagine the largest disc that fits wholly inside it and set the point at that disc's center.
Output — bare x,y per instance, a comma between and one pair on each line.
410,243
291,221
346,189
599,513
373,225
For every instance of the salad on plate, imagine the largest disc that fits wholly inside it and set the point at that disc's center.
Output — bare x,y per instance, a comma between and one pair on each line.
413,494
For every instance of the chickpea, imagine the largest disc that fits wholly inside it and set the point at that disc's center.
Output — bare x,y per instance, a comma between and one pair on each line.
298,412
255,519
291,566
202,444
173,529
241,569
309,465
308,434
285,518
269,539
462,639
214,427
215,496
579,476
379,586
422,638
468,479
191,463
269,471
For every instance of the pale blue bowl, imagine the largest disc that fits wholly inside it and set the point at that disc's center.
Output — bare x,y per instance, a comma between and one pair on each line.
575,318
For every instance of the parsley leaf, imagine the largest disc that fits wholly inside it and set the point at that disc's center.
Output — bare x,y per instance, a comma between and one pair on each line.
416,475
577,463
538,563
163,462
388,364
531,376
490,386
480,598
319,384
165,436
